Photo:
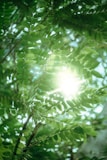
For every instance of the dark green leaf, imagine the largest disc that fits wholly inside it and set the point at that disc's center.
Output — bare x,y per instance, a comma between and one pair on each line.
79,130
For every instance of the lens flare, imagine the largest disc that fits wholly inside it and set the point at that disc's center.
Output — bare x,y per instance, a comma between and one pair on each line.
68,83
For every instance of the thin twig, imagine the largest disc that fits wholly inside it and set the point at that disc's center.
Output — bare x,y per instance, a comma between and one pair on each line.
4,58
15,36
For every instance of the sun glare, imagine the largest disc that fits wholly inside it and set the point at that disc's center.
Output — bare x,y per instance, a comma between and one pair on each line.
68,83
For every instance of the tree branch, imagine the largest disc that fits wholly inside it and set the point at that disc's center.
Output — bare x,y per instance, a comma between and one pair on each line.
19,138
72,155
30,140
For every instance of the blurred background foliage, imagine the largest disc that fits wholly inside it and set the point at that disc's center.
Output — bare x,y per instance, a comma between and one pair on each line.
37,39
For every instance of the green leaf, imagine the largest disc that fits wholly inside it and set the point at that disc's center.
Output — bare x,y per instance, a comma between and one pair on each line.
89,130
79,130
55,137
93,64
96,74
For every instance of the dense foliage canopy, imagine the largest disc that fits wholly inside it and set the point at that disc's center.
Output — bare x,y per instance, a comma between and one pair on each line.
39,39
